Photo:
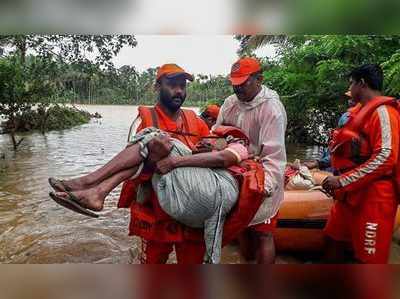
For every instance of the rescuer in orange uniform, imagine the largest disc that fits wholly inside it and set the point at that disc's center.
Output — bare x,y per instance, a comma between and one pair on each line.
365,152
164,234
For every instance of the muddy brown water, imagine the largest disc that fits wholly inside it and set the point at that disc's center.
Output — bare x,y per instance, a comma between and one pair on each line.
33,229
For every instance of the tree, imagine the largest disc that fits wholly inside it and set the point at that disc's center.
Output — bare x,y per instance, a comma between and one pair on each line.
35,62
311,76
249,43
21,85
69,47
391,68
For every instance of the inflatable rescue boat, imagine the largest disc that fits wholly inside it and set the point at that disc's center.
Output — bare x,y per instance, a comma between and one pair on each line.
302,218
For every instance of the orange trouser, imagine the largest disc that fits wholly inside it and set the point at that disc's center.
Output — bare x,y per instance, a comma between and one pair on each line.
186,252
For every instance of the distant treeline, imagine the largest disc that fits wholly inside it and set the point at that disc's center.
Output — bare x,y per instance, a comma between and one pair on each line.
309,72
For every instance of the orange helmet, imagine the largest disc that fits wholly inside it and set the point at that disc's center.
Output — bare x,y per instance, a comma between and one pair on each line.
212,110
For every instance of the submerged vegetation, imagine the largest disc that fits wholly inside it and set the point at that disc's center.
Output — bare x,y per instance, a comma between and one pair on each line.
32,77
55,117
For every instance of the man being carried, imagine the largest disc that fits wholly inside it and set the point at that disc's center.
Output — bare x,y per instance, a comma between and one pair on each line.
190,188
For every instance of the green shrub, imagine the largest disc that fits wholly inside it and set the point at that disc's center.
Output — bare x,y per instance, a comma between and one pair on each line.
56,117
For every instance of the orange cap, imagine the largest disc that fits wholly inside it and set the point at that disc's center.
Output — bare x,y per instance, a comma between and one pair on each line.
212,110
171,70
242,69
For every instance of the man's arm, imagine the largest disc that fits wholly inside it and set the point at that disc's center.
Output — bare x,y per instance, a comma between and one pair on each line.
221,159
272,138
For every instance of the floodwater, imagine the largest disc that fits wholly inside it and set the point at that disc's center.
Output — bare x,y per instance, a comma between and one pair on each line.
34,229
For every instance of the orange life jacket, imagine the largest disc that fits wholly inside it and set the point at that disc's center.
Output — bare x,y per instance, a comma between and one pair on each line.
190,134
152,117
349,148
146,224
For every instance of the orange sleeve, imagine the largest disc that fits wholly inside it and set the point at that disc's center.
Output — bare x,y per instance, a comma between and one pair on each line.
383,136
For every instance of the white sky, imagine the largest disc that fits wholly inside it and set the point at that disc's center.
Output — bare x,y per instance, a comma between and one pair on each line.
197,54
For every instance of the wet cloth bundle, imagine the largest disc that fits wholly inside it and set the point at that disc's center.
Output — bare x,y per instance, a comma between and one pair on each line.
298,177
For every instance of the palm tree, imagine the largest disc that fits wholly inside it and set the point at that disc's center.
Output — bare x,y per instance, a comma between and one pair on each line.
249,43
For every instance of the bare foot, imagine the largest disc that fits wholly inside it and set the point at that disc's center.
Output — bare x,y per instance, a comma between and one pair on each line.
91,199
75,184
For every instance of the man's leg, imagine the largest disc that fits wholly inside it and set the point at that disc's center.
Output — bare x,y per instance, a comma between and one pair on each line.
265,253
155,252
373,230
264,240
93,198
334,251
190,253
247,245
159,147
337,233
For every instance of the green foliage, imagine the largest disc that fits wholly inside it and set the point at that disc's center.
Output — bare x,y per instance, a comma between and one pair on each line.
27,79
66,117
392,74
311,76
58,118
217,102
69,47
24,84
208,88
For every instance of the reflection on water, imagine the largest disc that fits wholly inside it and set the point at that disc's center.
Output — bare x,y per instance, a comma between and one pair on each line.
33,229
299,151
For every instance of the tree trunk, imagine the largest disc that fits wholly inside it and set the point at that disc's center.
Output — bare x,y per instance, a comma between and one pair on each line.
89,93
13,137
14,140
44,122
21,45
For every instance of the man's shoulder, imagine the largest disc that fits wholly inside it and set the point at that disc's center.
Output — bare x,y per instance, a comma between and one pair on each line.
382,113
270,93
230,100
273,102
